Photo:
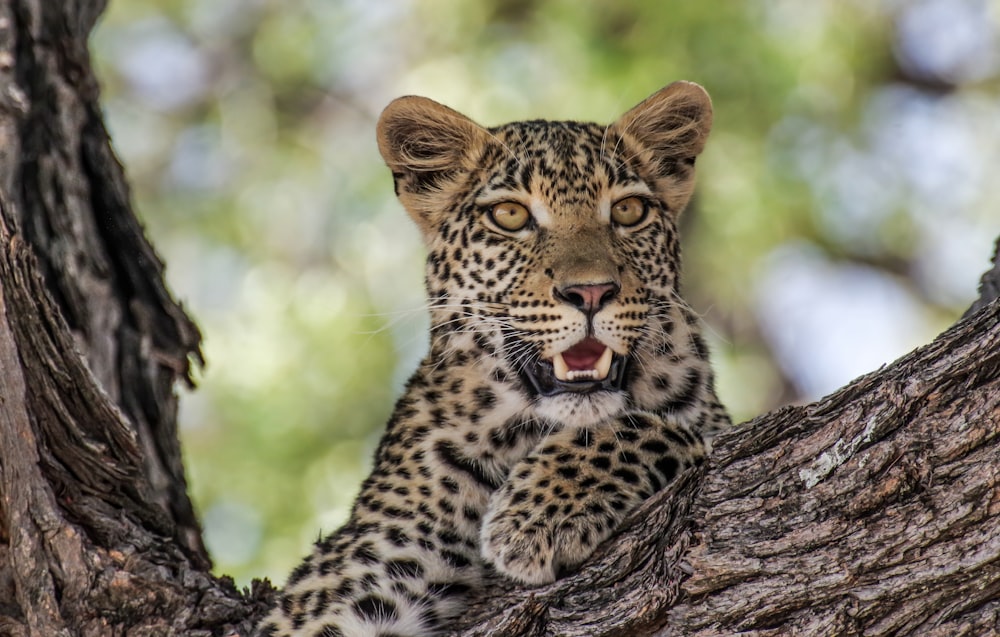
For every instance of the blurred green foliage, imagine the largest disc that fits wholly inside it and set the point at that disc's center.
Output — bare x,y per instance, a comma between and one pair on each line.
844,211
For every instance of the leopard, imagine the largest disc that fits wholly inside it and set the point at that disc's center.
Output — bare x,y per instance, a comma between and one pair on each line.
566,379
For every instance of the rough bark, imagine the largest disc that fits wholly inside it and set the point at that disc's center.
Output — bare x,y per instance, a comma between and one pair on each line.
97,534
871,511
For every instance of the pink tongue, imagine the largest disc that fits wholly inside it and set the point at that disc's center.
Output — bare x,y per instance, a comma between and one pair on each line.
584,355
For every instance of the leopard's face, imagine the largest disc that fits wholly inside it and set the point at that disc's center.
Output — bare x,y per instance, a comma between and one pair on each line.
553,249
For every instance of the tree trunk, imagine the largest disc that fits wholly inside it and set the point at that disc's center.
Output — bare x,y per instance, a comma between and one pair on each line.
97,534
873,510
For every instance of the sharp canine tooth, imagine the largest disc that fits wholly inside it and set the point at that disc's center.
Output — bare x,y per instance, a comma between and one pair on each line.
560,368
603,365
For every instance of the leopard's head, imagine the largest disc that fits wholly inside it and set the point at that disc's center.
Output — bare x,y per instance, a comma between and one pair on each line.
552,246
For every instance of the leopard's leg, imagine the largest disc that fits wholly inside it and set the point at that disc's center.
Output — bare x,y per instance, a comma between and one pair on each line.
402,565
363,584
573,491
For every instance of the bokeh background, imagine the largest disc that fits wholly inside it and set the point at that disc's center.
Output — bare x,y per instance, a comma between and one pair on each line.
847,203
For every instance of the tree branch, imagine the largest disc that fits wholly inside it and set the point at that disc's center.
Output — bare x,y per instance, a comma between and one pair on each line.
874,510
989,284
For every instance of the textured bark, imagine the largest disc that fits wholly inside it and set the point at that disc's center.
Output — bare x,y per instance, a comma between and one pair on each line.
97,534
872,511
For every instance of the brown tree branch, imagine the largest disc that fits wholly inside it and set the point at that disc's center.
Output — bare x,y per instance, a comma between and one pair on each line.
872,511
989,284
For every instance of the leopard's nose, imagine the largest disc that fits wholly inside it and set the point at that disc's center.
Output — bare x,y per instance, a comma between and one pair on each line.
588,298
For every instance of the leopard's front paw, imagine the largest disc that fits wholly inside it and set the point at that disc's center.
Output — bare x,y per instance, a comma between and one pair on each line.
519,545
533,542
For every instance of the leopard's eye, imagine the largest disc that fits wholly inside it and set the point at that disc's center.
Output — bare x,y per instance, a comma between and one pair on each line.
510,216
628,211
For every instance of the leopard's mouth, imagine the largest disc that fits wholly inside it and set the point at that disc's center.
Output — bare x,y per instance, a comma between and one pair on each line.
587,367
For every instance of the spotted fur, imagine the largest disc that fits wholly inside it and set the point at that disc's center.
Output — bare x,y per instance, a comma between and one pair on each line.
482,465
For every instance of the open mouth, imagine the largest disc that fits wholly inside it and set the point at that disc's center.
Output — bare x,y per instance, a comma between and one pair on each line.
586,367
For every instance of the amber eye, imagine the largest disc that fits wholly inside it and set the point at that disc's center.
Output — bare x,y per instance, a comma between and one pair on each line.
510,216
628,211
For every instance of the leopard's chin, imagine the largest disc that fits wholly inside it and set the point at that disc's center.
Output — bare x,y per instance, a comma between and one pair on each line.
580,409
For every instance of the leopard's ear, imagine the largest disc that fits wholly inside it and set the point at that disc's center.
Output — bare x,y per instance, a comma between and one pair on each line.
427,146
671,125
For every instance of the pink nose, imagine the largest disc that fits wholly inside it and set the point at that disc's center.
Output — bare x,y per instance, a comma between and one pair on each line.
588,298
